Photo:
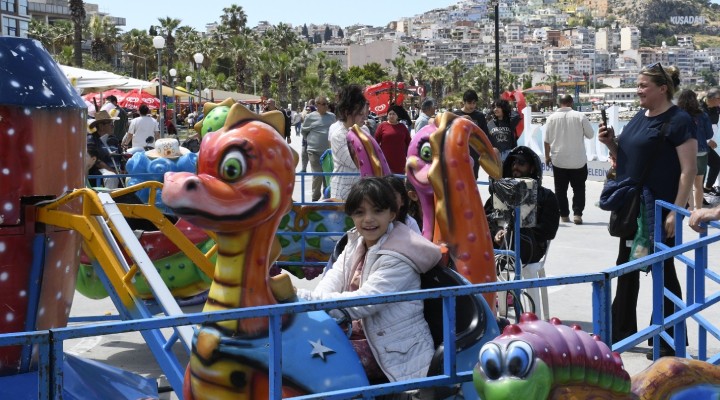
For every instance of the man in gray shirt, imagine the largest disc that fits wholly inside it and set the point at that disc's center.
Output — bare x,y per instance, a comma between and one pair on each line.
315,135
427,109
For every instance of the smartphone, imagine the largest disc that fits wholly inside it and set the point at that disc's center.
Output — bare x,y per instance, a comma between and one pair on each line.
603,115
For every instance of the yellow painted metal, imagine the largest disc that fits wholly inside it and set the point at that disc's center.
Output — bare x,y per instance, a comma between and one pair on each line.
85,223
89,228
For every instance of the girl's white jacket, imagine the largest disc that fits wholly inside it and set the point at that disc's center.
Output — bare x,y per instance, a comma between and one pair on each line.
397,332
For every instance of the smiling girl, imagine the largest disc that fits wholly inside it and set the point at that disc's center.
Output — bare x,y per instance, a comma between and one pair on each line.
393,340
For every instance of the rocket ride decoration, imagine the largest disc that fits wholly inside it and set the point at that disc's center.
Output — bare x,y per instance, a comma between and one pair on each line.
42,131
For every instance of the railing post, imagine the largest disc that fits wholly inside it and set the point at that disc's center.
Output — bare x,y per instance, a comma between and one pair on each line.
601,293
701,257
44,374
275,357
56,367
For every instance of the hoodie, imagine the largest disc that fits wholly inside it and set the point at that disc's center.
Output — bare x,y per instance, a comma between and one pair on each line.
397,333
533,240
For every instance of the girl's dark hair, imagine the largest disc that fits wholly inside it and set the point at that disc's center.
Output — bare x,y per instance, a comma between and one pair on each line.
399,187
374,189
350,101
687,100
504,106
413,208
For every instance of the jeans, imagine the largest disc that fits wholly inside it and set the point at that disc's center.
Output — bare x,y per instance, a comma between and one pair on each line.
318,181
575,178
304,155
624,305
713,163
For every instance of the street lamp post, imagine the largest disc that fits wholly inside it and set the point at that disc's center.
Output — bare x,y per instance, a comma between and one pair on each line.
496,89
188,81
199,58
173,73
159,44
144,60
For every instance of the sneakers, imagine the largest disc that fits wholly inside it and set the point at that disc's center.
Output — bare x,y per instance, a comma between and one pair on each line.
577,220
715,191
565,219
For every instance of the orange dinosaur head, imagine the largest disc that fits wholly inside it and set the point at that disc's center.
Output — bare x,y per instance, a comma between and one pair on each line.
245,176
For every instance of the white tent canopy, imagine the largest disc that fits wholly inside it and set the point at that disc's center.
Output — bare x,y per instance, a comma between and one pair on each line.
86,80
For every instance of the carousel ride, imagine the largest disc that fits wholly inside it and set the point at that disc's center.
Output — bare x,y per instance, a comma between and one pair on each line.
245,180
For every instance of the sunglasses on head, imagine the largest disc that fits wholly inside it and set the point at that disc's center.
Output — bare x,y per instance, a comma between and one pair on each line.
657,67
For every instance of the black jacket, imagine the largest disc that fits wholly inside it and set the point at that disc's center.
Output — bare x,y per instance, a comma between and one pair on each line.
533,240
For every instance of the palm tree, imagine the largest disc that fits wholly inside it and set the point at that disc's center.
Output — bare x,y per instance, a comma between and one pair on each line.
457,69
437,76
234,19
418,70
265,63
334,70
104,36
400,65
321,65
167,26
77,13
139,44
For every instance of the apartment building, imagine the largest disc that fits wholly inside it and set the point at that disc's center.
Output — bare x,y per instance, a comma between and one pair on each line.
629,38
14,18
49,11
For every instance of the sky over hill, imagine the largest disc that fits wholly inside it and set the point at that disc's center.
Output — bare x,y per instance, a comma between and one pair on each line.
197,14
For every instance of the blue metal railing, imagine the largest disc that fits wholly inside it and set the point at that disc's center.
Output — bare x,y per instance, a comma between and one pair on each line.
50,342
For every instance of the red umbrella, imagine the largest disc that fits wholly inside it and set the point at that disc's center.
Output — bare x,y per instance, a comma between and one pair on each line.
114,92
134,98
380,96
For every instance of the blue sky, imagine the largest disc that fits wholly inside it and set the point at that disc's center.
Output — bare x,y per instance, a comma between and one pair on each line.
142,14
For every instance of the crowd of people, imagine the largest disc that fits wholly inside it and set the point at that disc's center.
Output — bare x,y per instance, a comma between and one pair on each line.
386,252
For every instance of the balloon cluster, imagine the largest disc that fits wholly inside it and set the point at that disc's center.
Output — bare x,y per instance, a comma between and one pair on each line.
142,169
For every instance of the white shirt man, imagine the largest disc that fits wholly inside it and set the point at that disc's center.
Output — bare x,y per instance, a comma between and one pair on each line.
141,129
565,133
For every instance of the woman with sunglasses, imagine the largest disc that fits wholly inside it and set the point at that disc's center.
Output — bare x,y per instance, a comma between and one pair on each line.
662,136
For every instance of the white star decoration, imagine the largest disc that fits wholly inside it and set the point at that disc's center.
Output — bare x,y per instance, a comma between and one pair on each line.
319,350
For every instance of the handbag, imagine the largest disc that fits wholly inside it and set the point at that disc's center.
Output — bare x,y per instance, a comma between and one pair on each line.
623,221
624,213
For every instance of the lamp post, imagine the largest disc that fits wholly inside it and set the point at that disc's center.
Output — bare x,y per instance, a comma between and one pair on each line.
188,81
173,72
199,58
496,88
159,44
144,60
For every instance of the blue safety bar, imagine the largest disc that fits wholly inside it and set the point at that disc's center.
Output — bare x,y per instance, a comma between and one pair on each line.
50,342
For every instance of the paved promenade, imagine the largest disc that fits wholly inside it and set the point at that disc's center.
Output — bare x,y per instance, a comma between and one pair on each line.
577,249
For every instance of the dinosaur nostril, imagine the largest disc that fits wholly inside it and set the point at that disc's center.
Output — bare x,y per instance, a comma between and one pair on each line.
191,185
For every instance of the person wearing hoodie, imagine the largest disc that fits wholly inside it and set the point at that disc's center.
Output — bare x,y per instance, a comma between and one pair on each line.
522,162
393,340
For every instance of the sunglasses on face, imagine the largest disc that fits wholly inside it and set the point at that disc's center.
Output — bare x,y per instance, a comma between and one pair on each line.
519,161
321,104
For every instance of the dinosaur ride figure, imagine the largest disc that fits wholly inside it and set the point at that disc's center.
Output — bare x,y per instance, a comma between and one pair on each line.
242,189
536,360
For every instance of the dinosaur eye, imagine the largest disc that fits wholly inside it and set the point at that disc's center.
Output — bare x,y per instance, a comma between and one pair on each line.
426,152
519,359
233,165
491,360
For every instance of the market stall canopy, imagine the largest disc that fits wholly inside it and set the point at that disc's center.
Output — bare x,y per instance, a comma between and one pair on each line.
538,89
87,80
95,81
218,96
